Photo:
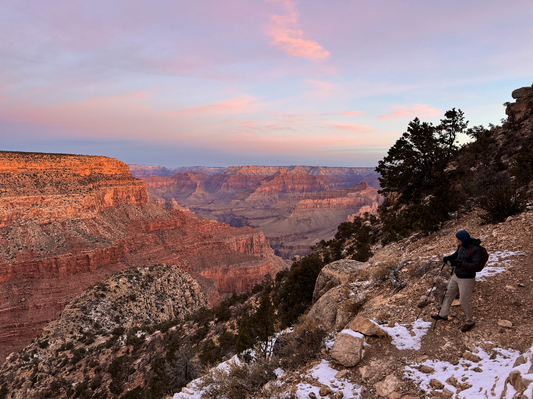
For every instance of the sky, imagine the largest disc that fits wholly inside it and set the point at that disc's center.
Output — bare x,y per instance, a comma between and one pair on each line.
260,82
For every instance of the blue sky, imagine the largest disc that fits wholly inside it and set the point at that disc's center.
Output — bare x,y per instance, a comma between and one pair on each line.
266,82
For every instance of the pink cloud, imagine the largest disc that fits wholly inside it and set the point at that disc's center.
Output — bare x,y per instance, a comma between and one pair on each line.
239,104
243,123
416,111
323,88
358,128
288,36
352,113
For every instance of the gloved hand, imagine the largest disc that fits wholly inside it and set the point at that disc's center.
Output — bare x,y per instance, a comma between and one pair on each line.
446,259
456,263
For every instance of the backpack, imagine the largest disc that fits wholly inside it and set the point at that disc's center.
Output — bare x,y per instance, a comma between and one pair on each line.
484,257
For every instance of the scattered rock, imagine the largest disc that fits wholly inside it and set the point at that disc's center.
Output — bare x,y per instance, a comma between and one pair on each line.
456,302
452,381
312,395
436,384
324,390
367,327
339,395
471,357
427,370
515,378
387,386
446,393
519,361
341,374
348,348
505,324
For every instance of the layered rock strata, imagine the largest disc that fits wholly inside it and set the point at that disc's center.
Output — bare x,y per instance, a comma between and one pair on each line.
68,221
294,206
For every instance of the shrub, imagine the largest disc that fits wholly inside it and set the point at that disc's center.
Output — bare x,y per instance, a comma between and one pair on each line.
209,353
239,380
301,345
382,271
43,344
502,202
136,393
77,355
296,293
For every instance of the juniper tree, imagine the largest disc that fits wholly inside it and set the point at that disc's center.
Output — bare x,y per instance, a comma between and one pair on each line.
415,183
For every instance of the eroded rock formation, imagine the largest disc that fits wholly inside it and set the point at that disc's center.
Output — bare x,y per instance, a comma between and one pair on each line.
294,206
68,221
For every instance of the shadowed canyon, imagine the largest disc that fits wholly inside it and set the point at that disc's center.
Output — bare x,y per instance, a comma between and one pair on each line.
294,206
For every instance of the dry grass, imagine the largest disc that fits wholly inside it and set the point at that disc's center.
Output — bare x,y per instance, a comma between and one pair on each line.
304,343
238,380
354,304
381,273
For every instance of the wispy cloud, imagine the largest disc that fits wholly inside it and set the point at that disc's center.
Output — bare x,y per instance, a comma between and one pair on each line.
417,110
288,36
241,123
352,113
237,105
323,89
359,128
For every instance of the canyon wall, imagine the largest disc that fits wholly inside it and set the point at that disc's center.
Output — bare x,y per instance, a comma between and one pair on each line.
69,221
295,206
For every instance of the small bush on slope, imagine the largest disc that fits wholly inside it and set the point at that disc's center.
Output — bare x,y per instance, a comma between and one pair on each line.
296,293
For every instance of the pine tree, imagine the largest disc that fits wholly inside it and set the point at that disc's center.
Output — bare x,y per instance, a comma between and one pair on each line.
259,328
418,189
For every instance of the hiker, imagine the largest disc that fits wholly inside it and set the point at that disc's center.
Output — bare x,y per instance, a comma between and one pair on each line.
465,260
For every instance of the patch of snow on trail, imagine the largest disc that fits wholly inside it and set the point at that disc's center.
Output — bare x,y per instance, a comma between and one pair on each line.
487,378
326,376
403,338
498,262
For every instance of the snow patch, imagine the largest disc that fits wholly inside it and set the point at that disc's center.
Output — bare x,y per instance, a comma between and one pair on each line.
487,378
352,333
498,262
325,375
403,338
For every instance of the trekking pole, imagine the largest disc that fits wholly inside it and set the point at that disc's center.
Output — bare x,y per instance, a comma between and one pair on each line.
444,296
429,293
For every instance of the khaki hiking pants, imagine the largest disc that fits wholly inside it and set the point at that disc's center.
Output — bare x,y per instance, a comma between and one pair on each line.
463,286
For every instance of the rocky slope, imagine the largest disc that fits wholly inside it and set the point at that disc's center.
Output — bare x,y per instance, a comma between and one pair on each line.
69,221
93,331
378,348
294,206
382,347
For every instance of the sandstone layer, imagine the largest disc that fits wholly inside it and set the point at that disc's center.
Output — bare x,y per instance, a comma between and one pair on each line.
294,206
68,221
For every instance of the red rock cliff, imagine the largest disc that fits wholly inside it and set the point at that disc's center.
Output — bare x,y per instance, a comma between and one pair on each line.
68,221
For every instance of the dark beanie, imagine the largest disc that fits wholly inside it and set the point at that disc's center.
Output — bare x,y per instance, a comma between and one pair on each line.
463,236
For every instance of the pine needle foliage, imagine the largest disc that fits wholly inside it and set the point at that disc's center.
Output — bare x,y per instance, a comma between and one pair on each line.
415,182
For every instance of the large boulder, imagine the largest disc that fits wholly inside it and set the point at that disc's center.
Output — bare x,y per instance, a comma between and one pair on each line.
522,92
340,272
329,311
348,348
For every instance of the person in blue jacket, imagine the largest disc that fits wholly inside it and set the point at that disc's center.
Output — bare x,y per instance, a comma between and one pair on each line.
465,260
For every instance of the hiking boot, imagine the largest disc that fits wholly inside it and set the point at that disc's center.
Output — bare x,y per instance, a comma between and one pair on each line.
467,327
438,317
